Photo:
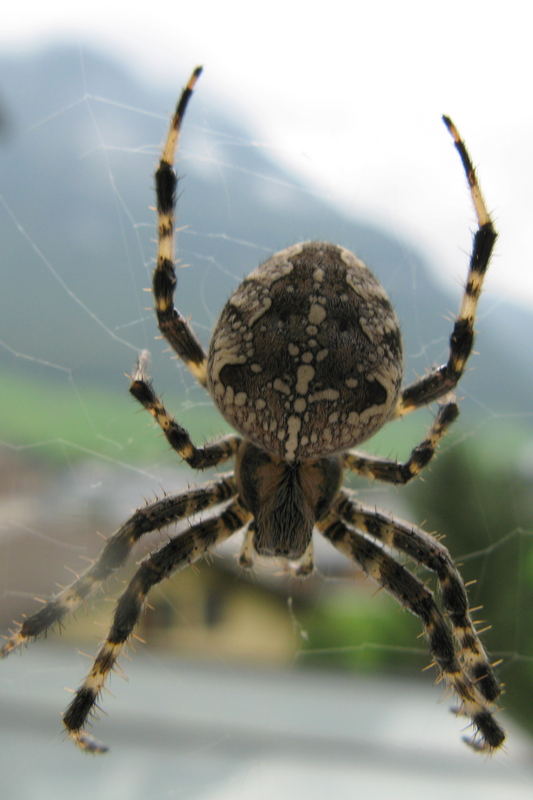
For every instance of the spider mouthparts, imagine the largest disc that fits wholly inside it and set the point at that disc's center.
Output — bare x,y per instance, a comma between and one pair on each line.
478,745
88,743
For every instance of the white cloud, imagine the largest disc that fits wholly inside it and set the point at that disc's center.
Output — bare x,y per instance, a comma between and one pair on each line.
350,96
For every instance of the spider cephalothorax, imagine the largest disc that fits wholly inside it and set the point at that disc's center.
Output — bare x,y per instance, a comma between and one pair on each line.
285,498
305,363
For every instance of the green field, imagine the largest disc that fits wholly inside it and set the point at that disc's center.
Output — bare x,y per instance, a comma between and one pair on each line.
53,419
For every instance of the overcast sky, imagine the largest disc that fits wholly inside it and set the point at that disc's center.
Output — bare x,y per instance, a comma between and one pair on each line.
349,96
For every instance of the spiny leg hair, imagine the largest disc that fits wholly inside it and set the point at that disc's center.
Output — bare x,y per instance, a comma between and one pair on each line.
115,552
197,457
418,599
180,552
172,325
444,378
424,549
421,455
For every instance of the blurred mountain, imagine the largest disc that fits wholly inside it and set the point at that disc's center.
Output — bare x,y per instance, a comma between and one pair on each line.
80,138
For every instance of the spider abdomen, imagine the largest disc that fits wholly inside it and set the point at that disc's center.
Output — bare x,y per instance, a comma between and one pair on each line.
306,357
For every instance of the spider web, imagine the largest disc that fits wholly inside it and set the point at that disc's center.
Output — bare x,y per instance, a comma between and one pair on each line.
77,455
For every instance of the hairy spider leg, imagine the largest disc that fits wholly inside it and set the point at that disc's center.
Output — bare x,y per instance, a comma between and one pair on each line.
172,325
444,378
424,549
181,551
418,599
115,552
178,438
393,472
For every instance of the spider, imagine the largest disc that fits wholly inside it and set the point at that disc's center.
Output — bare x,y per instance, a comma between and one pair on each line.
305,362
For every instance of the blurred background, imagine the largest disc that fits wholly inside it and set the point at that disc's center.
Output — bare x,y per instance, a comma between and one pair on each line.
308,123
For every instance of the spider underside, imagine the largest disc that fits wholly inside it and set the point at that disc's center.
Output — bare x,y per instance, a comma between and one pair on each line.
305,363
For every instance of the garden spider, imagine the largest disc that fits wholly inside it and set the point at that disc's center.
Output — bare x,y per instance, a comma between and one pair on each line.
305,362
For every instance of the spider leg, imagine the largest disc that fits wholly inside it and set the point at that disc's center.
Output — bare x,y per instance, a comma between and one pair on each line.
181,551
178,438
418,599
426,550
172,325
394,472
117,549
444,378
